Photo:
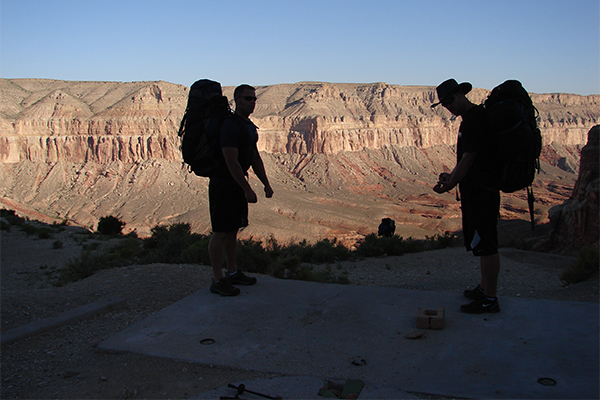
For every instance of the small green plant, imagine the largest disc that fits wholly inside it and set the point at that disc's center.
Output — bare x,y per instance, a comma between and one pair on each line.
438,241
251,256
374,246
80,267
28,229
57,244
197,252
11,217
44,233
110,225
586,265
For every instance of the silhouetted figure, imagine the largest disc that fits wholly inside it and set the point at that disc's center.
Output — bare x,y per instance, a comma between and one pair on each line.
476,174
387,227
229,191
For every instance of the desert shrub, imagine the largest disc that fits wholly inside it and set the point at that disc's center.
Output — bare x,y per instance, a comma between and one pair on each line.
378,246
177,244
374,246
129,249
82,266
370,246
127,252
251,256
28,229
326,251
323,251
197,252
11,217
167,244
110,225
441,241
586,265
285,266
44,233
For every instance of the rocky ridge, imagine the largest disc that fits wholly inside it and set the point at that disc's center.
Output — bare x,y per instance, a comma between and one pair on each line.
341,156
575,223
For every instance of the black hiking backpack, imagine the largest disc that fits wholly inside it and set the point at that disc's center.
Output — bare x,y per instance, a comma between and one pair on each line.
512,118
206,109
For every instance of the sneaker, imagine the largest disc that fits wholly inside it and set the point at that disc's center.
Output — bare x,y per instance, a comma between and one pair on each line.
224,288
481,306
474,294
238,278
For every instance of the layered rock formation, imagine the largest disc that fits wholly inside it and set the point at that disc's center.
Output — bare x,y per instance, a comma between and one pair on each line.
43,121
576,222
82,150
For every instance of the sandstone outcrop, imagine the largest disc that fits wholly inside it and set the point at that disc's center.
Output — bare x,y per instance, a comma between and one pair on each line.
575,223
44,120
78,151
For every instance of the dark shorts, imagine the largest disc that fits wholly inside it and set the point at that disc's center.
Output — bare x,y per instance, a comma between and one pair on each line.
228,206
480,212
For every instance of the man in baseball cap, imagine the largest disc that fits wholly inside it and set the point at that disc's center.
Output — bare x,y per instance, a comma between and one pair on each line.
475,174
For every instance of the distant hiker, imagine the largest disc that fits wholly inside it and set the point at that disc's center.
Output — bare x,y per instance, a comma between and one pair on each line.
230,192
476,174
387,227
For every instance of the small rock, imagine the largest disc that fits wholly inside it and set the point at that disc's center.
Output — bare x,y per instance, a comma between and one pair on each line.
359,362
417,334
70,374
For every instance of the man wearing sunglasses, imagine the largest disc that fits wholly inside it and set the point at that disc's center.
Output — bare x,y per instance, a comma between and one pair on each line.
230,192
475,173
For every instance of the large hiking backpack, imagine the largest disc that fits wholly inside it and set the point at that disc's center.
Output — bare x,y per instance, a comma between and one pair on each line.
512,118
199,130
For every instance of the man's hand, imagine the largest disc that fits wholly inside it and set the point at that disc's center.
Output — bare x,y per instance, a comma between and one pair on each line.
250,196
268,191
443,183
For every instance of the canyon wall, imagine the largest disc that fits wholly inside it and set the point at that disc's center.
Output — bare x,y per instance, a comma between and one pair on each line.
340,156
575,223
44,120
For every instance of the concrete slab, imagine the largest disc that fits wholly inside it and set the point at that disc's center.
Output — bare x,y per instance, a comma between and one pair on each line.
338,332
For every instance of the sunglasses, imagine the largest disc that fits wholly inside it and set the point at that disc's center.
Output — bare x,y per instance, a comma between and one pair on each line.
249,98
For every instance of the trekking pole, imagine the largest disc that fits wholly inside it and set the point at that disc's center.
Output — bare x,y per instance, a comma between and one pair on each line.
242,388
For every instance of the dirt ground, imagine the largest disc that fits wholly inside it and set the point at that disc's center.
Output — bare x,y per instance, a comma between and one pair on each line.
65,362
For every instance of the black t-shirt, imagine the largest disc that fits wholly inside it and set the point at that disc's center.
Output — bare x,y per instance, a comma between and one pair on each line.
241,134
475,136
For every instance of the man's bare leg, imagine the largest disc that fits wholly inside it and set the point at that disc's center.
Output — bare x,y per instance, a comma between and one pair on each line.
490,269
220,247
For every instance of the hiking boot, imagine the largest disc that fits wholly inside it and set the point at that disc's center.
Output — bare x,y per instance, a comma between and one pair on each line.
238,278
474,294
481,306
224,288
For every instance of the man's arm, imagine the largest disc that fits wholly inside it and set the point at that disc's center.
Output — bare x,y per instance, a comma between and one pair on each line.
449,181
259,169
235,169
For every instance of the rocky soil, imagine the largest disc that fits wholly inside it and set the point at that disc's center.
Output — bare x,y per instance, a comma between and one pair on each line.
64,362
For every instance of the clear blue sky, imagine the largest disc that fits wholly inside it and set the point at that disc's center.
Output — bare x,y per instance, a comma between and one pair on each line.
549,45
